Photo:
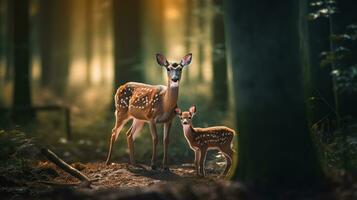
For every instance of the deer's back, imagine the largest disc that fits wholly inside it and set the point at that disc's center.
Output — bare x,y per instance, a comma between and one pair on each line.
214,136
139,100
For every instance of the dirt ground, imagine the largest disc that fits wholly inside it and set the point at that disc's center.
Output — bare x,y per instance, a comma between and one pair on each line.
123,181
119,175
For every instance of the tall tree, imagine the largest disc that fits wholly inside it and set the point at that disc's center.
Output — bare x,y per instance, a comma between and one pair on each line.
9,36
89,37
274,144
188,31
201,5
127,41
55,39
22,75
2,31
220,79
45,35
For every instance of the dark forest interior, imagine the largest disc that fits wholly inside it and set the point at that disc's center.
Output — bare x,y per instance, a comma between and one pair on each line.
282,74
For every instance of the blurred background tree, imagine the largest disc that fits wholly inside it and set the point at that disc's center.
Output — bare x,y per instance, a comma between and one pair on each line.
275,149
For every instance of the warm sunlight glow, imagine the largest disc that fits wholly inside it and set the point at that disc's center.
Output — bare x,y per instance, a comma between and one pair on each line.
77,72
36,68
172,13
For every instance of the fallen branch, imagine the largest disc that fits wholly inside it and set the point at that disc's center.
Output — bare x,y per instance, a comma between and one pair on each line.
85,181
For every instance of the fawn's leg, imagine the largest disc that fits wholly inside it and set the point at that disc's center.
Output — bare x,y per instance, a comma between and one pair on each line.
228,154
196,161
119,123
166,141
203,153
155,140
136,126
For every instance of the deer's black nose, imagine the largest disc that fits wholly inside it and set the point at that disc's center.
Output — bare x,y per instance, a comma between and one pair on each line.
185,122
175,79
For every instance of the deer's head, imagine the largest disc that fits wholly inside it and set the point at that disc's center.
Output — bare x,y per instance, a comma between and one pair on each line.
174,69
186,116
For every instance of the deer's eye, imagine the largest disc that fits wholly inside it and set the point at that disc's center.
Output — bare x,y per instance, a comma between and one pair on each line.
189,117
168,69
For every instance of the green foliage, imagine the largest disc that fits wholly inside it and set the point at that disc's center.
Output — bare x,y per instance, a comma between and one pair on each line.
337,148
324,8
342,54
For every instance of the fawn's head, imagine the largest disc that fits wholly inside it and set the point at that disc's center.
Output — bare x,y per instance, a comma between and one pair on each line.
186,116
174,69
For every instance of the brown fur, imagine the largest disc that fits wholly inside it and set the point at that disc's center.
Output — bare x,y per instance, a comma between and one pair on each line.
202,139
150,104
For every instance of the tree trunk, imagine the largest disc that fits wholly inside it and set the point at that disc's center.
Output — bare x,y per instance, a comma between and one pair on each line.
9,36
55,43
22,75
61,45
201,20
2,32
274,143
127,41
188,32
220,82
45,40
89,38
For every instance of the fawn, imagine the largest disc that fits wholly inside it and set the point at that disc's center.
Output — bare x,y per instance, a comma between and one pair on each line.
203,139
150,104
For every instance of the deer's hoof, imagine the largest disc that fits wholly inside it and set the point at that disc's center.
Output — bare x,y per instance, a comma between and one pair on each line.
153,167
166,170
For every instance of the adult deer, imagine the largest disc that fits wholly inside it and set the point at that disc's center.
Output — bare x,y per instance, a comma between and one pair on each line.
150,104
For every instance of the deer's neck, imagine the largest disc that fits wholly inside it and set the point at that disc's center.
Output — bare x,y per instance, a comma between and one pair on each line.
189,132
170,98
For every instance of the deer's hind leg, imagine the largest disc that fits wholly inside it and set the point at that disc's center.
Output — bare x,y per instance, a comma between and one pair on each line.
136,126
120,121
228,154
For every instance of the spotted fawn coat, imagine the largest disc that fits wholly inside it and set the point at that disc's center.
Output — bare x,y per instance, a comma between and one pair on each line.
201,140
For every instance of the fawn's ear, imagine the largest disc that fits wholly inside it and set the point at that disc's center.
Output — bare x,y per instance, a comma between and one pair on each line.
161,60
192,110
186,60
178,111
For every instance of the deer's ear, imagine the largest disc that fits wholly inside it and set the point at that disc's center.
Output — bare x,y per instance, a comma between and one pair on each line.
178,111
186,60
192,110
161,60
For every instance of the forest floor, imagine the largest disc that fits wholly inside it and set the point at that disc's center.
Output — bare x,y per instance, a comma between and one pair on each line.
125,175
45,180
115,181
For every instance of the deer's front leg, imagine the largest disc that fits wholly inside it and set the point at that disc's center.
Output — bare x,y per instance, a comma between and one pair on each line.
153,131
203,152
166,141
197,154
